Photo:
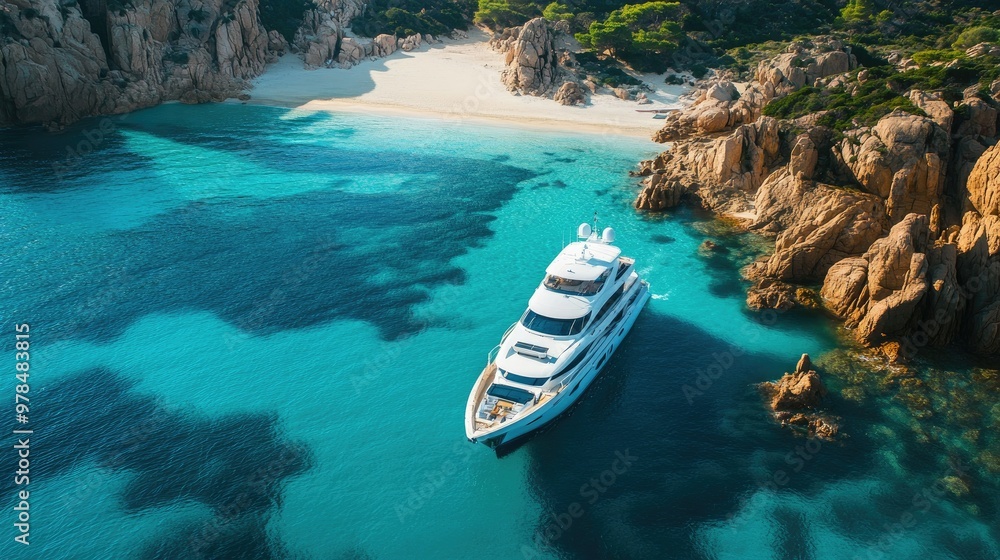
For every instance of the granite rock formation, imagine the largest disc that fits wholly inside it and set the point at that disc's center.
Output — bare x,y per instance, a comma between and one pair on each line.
721,106
899,221
531,58
55,69
795,398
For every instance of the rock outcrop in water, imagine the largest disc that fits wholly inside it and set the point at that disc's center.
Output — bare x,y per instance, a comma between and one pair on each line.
795,399
899,222
55,69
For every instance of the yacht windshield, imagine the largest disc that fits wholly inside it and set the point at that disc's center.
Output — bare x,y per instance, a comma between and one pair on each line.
533,381
582,287
554,327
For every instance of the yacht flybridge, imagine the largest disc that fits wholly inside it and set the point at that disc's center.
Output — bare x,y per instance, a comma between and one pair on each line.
577,317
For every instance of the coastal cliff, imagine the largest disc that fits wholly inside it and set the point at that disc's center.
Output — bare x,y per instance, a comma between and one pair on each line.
59,62
897,220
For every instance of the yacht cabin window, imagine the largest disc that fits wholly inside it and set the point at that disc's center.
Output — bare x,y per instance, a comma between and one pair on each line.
533,381
554,327
580,287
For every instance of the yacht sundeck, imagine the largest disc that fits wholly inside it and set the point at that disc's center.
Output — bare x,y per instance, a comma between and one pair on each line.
577,317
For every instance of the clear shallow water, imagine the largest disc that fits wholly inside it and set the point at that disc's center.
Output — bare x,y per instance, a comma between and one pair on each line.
254,331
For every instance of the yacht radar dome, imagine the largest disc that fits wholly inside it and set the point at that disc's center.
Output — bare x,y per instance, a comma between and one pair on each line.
584,231
608,235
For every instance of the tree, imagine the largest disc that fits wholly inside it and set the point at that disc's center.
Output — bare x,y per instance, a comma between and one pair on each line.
640,34
499,14
612,36
556,12
857,10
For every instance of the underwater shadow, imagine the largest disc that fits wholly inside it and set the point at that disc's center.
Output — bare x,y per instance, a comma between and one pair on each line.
236,465
647,459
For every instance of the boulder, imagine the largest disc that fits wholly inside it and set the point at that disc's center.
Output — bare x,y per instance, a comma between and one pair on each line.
768,293
801,389
795,398
570,93
723,173
880,292
351,52
981,119
660,193
410,43
982,49
383,45
530,56
817,225
936,108
983,184
900,160
801,65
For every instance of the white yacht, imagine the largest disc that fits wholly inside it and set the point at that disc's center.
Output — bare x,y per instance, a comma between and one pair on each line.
577,317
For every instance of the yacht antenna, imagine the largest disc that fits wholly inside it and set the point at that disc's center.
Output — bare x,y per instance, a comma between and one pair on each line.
596,234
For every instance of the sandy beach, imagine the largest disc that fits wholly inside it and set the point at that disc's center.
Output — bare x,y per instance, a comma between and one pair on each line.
457,80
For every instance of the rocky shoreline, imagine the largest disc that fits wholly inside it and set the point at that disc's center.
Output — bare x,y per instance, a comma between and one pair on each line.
896,224
59,64
56,69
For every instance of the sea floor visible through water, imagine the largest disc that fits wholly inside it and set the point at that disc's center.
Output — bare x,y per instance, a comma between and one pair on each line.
254,330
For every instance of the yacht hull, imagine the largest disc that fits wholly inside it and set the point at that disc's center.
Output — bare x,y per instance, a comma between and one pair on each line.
544,414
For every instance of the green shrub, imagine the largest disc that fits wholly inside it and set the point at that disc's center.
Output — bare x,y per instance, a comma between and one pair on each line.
499,14
199,15
936,55
976,35
284,16
844,111
177,57
408,17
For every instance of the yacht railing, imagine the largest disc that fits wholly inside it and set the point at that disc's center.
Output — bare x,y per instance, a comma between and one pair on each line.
507,332
496,349
492,355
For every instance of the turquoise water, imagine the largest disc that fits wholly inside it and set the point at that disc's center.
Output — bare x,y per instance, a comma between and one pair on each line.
254,331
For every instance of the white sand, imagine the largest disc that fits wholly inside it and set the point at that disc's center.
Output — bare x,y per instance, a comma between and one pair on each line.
458,80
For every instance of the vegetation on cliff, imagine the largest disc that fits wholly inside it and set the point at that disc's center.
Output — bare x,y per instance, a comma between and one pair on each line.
283,16
407,17
656,35
934,40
